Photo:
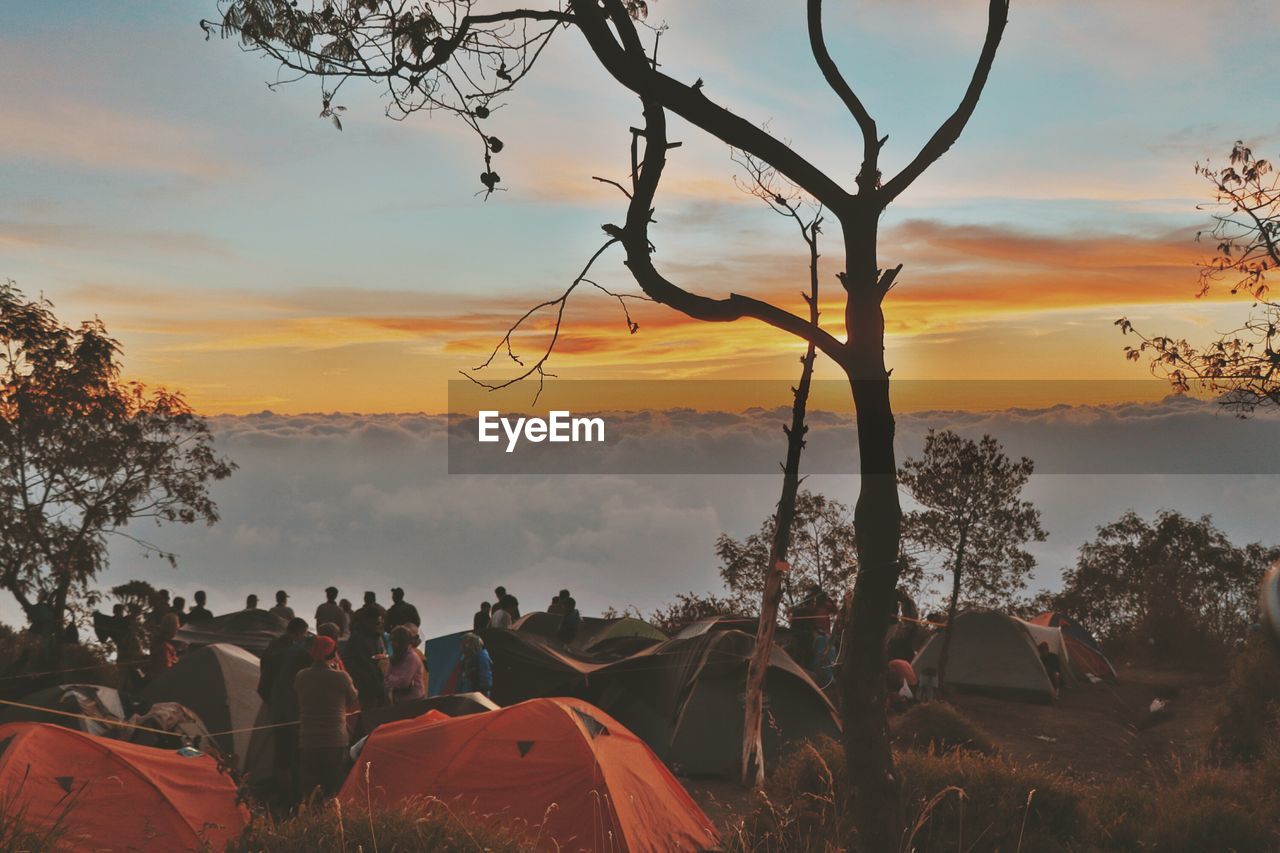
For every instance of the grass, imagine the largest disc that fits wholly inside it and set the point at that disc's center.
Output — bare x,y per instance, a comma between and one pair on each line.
942,728
970,801
1250,704
407,826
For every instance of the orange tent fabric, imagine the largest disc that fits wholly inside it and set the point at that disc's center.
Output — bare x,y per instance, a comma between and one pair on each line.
114,796
560,770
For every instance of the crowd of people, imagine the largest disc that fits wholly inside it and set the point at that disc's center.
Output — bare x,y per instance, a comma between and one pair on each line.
318,674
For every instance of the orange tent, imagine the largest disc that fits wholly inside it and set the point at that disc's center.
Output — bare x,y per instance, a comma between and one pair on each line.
1084,655
560,770
111,795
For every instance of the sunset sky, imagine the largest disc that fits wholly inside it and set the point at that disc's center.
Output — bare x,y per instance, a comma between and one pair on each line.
248,253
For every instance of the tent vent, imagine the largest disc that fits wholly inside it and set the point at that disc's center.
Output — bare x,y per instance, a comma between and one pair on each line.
594,727
4,744
524,746
65,782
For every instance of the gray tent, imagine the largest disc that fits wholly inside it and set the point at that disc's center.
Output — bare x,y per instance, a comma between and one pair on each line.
991,653
220,684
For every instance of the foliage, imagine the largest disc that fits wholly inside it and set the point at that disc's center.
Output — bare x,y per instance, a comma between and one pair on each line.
690,607
1171,583
1243,363
409,825
1247,721
83,454
941,727
822,555
972,516
29,663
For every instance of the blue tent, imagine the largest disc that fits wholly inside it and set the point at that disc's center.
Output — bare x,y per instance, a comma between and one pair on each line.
444,656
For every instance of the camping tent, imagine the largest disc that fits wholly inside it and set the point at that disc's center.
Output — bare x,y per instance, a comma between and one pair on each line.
1087,657
249,629
444,654
559,770
597,637
1054,639
105,706
708,624
990,653
220,684
454,705
684,698
109,795
527,666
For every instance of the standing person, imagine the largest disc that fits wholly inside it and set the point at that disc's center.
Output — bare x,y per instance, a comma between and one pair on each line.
477,667
500,616
164,650
371,605
570,620
345,604
558,602
331,611
160,605
282,660
199,613
480,620
179,609
406,678
401,612
1052,666
324,695
507,602
251,602
366,659
282,608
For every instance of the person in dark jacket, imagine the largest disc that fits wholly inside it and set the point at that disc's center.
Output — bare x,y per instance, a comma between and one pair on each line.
401,612
365,658
570,620
282,660
199,613
480,620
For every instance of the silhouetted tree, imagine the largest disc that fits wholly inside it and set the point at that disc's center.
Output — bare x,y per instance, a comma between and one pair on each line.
973,518
84,454
1165,582
822,553
1243,364
437,55
690,607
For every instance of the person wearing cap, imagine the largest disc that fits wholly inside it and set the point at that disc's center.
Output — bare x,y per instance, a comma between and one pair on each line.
325,696
331,611
407,677
282,608
401,612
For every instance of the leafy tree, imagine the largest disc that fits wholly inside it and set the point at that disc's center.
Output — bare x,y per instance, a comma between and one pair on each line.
1168,583
973,518
823,553
447,55
1244,363
690,607
83,454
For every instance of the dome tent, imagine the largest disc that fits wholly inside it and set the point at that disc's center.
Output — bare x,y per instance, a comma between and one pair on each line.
1087,657
251,630
219,683
991,653
560,770
107,795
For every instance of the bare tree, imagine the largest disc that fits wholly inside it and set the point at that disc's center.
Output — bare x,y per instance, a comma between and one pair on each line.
446,55
1242,363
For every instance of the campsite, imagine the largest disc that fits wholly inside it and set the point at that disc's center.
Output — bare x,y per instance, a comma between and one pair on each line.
593,426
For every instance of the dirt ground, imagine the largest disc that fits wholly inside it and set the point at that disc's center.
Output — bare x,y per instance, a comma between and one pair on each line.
1094,733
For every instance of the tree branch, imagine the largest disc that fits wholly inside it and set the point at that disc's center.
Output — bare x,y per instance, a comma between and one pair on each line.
949,132
869,175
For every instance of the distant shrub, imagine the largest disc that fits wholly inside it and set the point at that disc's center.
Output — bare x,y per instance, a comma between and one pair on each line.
29,663
412,825
941,727
1250,704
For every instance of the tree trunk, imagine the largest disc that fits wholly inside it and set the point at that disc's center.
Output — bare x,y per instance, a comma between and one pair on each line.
752,740
951,611
876,789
